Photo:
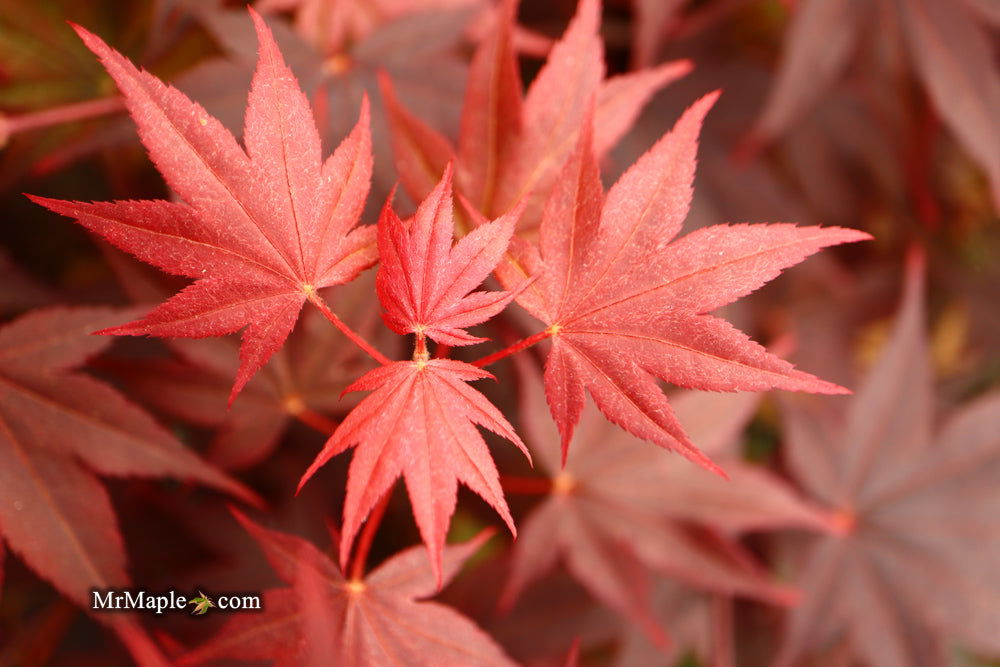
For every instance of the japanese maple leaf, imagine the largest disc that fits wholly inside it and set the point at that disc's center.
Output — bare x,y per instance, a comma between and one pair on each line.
919,564
58,427
333,25
624,302
701,625
511,145
378,620
653,18
619,510
419,420
304,379
949,47
20,291
420,50
260,230
424,283
307,375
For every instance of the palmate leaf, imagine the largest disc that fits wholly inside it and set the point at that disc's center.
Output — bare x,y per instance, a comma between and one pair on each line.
424,283
378,620
332,27
652,20
918,566
420,420
619,511
260,229
949,49
624,301
512,144
419,49
59,427
309,372
307,375
700,626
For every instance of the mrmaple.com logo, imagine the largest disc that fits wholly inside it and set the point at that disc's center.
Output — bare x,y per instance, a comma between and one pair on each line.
126,600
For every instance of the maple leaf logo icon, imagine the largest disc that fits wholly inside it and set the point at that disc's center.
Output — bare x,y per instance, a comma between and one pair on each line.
202,603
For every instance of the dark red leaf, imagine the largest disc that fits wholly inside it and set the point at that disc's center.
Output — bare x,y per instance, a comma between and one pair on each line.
378,620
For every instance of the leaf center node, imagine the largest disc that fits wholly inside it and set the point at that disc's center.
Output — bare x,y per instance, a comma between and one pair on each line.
337,64
293,404
563,484
845,521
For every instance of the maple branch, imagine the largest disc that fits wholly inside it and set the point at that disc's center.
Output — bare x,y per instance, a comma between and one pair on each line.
368,536
63,114
358,340
522,344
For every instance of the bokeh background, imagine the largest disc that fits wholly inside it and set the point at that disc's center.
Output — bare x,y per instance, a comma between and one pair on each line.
881,115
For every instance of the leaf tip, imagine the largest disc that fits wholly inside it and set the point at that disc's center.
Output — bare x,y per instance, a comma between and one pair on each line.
364,116
848,235
708,100
306,476
916,261
786,596
96,45
238,515
709,465
242,378
564,449
113,331
258,20
84,34
436,568
675,69
824,387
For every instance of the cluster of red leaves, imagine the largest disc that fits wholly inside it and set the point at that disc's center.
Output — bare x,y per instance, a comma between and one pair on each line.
616,299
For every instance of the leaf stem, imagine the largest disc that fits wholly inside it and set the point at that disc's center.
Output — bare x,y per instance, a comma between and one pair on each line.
526,486
358,340
296,407
420,348
368,536
317,421
522,344
63,114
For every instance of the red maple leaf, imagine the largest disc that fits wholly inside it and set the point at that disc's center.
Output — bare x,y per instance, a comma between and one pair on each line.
916,567
624,301
59,427
511,145
419,420
424,283
261,230
378,620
